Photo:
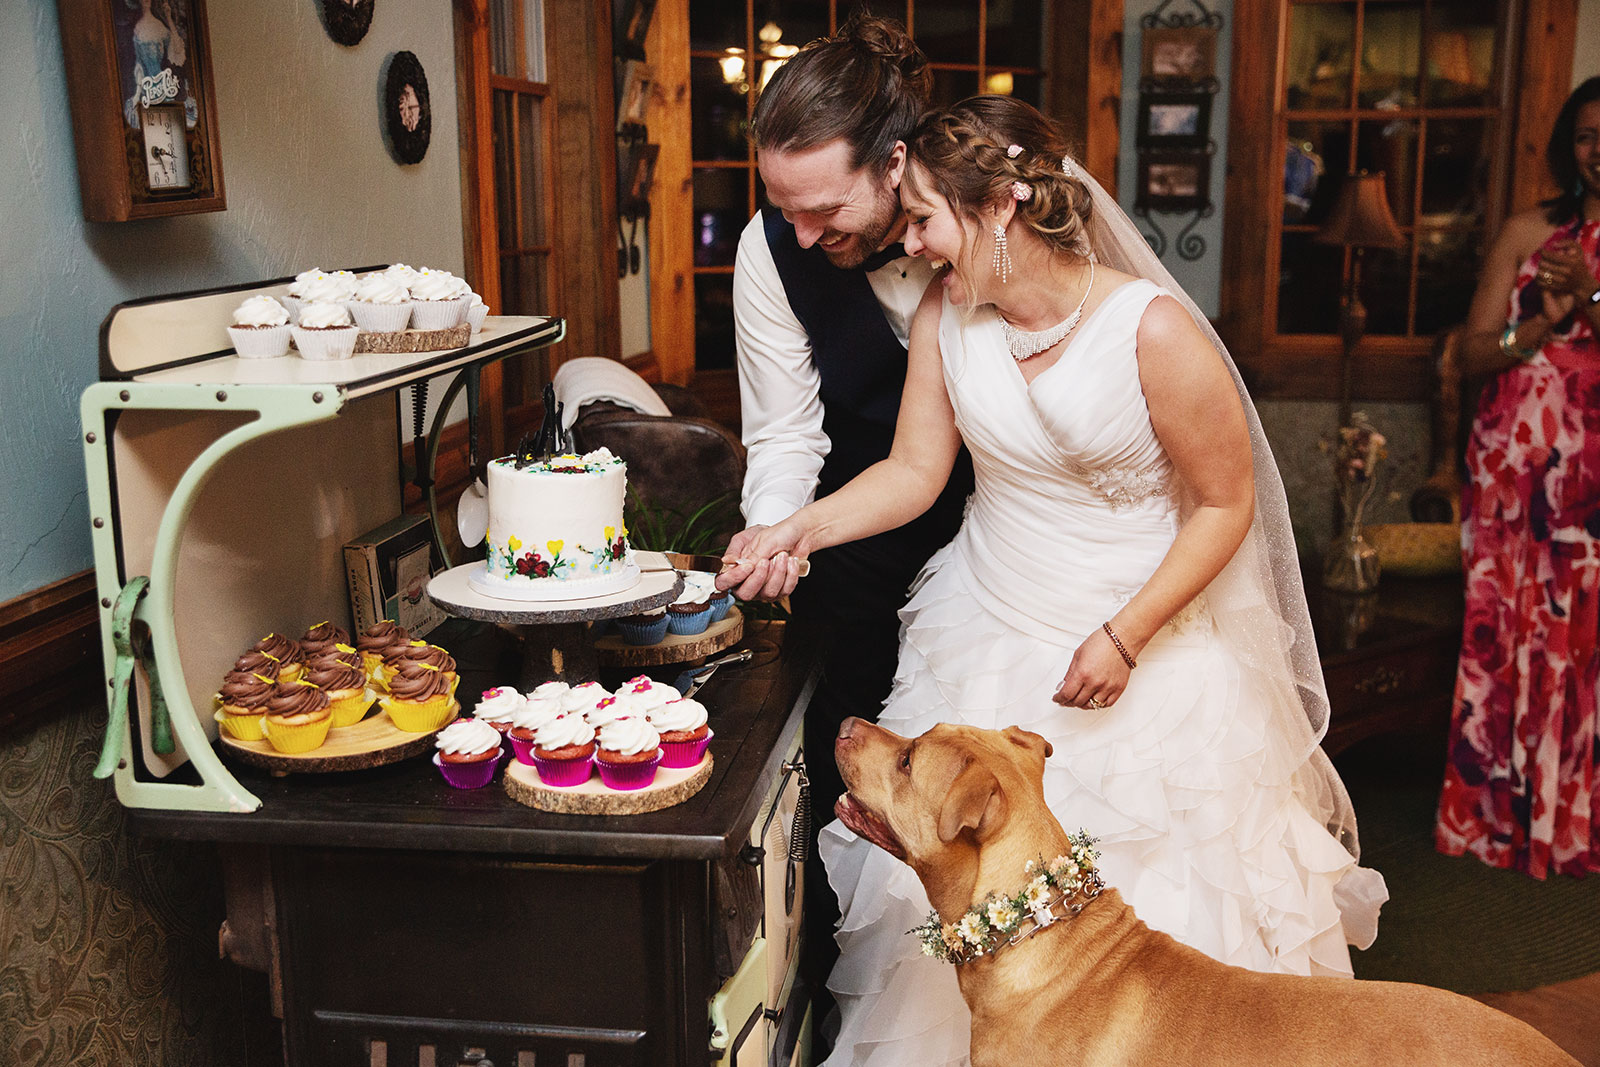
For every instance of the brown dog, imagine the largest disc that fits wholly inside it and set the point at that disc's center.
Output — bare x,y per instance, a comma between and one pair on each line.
965,808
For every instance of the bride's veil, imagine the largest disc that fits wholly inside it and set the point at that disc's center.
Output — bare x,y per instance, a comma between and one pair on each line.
1258,601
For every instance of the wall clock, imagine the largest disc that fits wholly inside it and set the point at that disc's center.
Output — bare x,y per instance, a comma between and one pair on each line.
144,115
407,114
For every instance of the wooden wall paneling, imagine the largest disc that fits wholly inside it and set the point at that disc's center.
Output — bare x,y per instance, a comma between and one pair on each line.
49,652
1549,34
1083,87
584,225
1256,58
671,223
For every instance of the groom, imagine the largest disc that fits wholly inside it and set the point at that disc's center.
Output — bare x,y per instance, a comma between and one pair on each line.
823,296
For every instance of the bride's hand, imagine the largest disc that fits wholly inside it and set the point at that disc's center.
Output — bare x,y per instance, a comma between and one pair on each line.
1097,676
772,568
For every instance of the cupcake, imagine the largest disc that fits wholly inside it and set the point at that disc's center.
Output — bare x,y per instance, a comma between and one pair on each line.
477,311
397,658
297,288
344,654
326,332
691,612
260,329
607,710
382,304
580,698
298,717
439,300
349,699
419,698
286,651
645,628
563,750
548,691
721,600
646,694
684,733
375,641
468,753
254,661
496,707
526,723
628,754
322,639
242,701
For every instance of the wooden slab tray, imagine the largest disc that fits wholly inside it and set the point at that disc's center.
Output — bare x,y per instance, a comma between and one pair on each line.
415,340
613,651
673,785
372,742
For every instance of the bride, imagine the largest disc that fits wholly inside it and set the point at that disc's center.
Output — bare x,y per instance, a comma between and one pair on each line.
1125,584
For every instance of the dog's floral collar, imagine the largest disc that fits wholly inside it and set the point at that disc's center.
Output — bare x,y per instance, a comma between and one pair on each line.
1056,890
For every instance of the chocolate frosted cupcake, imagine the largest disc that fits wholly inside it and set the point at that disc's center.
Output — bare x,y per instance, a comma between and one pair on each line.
375,641
243,701
286,651
349,699
419,699
298,717
257,662
321,639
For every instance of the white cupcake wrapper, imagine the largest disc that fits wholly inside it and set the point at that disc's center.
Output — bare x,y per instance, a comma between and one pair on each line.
476,313
380,318
293,304
260,342
437,314
324,345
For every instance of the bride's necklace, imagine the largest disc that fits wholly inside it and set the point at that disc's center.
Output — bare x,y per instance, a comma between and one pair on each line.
1025,345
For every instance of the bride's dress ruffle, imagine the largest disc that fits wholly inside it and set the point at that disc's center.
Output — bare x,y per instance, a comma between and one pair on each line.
1189,796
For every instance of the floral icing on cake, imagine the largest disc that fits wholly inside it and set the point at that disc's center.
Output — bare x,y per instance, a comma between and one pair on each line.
557,519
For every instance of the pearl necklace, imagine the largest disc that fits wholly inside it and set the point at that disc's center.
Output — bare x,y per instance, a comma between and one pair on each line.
1025,345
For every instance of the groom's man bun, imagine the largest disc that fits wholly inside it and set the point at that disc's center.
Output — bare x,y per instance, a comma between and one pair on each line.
868,84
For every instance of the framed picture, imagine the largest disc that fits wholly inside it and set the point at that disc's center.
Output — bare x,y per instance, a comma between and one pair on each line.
636,170
407,118
633,22
633,98
1173,181
1174,120
347,21
1180,53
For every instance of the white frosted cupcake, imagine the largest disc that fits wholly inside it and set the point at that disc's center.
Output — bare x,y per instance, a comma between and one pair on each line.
498,706
580,698
549,691
477,311
296,298
439,300
608,710
646,694
260,329
325,332
323,288
381,305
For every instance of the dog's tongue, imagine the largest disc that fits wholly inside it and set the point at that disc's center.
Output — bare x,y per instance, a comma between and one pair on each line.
867,825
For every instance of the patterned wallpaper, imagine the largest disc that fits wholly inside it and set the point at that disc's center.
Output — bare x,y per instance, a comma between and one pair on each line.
108,943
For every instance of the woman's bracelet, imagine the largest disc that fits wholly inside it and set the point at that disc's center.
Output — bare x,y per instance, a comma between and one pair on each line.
1509,349
1121,648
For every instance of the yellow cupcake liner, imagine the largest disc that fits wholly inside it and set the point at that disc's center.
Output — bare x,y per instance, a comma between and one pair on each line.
290,673
372,663
296,739
420,718
243,727
352,707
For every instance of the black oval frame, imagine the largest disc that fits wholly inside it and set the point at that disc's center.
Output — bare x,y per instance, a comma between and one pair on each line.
407,146
347,23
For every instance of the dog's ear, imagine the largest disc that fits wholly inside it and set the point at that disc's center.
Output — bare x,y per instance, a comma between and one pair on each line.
1028,740
974,801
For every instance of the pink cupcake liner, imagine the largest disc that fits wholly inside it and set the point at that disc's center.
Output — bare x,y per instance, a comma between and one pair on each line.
625,776
684,753
524,751
469,775
562,772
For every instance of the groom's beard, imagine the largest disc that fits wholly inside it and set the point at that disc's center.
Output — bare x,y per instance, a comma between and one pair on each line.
885,213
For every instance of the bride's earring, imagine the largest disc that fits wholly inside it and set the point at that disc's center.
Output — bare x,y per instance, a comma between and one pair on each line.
1002,255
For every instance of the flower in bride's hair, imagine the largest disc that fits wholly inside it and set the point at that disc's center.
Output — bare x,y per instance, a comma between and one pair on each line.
1021,191
1013,151
1068,168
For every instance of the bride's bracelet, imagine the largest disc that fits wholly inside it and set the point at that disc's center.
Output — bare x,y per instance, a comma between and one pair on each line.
1121,648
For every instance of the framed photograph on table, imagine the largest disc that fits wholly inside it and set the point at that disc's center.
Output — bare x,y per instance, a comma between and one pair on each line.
1174,120
1173,181
1179,53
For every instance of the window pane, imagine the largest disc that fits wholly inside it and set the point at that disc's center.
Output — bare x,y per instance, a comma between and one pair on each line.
533,40
791,23
530,162
1309,285
503,37
1391,45
718,125
1025,87
715,25
1321,38
953,86
1446,260
1015,36
505,190
1455,172
713,321
1392,148
947,30
1316,158
719,214
1461,49
1386,288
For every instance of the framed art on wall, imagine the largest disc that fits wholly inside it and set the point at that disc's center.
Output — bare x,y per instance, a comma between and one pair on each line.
407,113
347,21
1179,53
1173,181
1174,120
143,108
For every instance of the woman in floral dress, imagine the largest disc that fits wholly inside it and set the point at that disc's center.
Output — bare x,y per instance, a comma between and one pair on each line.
1521,786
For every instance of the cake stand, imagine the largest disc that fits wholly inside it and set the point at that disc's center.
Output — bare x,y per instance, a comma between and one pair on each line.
556,645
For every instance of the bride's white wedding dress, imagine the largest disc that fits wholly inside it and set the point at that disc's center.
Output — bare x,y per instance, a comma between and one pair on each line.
1189,788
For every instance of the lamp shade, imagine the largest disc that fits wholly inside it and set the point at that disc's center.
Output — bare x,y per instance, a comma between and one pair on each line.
1361,217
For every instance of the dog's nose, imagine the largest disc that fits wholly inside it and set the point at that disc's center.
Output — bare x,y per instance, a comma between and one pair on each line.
847,728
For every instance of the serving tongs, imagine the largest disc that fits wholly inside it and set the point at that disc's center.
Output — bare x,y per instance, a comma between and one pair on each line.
692,679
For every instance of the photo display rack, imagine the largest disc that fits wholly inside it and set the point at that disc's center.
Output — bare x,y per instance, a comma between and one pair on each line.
1177,86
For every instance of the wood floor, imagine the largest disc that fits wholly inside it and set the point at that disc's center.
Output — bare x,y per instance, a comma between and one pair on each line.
1568,1013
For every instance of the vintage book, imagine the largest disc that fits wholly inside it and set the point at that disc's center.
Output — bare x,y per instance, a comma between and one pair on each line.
388,571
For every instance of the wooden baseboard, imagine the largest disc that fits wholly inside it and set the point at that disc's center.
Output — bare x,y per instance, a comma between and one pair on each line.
49,652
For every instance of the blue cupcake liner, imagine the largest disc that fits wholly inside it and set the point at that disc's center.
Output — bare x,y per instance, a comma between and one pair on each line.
720,606
643,633
689,625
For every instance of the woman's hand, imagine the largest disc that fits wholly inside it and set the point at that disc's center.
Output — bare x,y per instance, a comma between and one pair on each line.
772,566
1097,676
1564,279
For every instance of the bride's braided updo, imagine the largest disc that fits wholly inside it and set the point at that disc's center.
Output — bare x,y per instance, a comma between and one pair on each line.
966,153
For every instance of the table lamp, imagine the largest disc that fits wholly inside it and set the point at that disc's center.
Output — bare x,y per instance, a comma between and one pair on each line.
1361,219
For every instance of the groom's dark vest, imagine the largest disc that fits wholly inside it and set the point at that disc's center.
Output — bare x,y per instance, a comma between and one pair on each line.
862,365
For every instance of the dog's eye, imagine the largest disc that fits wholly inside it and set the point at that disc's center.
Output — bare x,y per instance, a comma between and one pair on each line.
905,761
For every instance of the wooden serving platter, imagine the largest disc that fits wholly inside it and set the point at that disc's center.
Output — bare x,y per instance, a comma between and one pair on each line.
372,742
613,651
673,785
414,340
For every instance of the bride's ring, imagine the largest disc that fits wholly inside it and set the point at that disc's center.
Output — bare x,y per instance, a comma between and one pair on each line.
1093,703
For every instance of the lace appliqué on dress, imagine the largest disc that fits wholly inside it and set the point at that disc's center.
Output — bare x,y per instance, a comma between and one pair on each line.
1195,614
1124,487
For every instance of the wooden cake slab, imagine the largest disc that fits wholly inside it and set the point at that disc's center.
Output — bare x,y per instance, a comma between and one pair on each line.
673,785
372,742
414,340
613,651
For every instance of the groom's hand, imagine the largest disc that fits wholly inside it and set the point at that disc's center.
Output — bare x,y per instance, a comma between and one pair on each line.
768,572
